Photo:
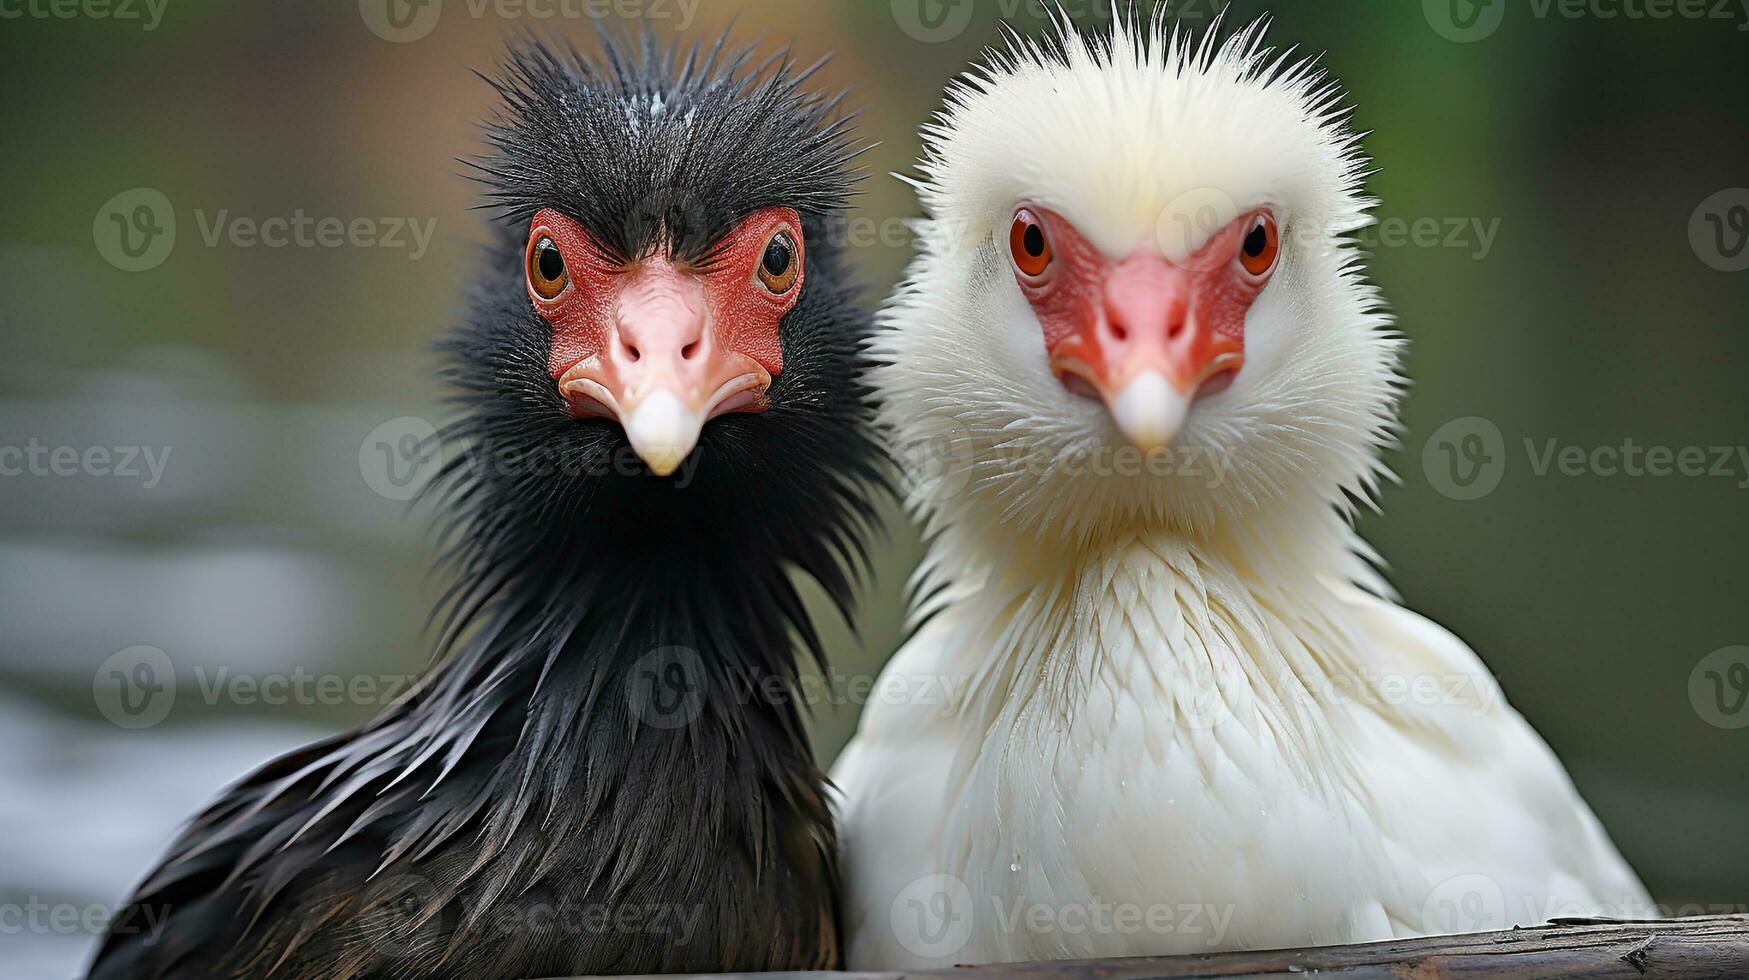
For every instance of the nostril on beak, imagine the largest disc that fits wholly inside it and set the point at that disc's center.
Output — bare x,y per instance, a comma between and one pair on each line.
632,353
689,351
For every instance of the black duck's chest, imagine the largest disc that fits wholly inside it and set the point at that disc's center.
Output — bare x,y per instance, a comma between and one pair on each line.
688,887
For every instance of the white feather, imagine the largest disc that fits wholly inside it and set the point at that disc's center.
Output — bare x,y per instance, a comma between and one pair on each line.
1168,691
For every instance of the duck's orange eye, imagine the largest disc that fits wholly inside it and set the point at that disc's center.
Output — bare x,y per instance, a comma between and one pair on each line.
1030,245
1261,247
546,269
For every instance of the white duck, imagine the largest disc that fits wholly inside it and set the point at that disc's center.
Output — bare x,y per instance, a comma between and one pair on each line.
1158,703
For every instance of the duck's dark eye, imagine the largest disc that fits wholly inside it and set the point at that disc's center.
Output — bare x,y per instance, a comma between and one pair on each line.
1256,242
1030,246
777,257
778,268
1262,244
546,269
552,264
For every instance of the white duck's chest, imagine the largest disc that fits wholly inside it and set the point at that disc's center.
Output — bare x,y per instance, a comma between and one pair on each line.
1191,794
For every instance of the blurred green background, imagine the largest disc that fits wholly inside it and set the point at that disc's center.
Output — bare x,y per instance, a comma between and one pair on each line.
1586,298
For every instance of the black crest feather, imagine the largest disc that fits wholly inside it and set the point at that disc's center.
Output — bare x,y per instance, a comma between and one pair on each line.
660,145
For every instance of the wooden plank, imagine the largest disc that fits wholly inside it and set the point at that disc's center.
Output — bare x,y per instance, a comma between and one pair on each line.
1714,947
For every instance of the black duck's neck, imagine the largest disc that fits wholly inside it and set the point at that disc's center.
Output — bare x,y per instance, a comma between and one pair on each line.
616,713
657,630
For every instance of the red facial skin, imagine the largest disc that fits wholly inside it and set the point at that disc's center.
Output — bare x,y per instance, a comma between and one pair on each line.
1106,321
708,335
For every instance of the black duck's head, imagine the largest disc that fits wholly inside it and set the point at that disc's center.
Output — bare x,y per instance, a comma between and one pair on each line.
664,357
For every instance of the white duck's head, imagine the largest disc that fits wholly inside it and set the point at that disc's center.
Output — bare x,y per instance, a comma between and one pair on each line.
1137,298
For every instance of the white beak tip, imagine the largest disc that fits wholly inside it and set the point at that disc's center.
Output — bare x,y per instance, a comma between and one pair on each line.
663,464
663,431
1149,411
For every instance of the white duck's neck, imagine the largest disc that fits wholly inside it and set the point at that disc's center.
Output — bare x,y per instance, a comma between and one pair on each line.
1197,630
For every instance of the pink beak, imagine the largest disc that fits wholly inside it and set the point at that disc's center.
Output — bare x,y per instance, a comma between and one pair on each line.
663,372
1144,351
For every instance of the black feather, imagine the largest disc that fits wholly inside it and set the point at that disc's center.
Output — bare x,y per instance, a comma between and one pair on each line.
538,780
657,145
